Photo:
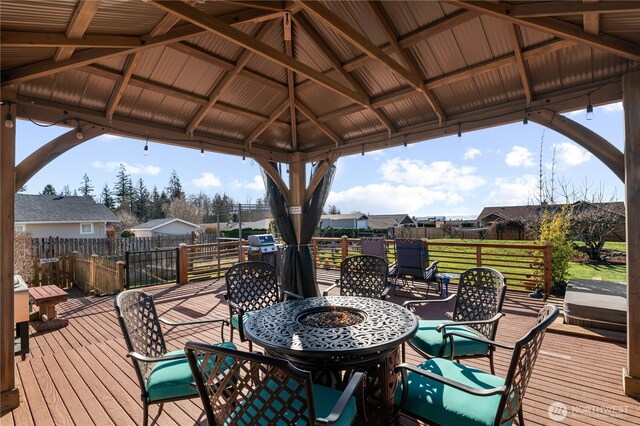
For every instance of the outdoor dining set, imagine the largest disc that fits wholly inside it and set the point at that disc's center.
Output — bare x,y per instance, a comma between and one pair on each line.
340,358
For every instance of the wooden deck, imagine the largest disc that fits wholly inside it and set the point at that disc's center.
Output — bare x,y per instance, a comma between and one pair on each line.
79,374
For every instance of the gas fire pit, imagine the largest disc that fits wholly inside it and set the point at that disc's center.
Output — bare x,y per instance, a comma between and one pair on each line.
331,317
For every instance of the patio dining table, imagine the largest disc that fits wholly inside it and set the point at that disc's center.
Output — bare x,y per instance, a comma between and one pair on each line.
333,351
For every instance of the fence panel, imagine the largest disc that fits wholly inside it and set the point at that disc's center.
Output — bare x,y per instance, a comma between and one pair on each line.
145,268
209,261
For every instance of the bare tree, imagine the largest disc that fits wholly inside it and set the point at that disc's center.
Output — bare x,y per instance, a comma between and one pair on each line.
23,257
127,220
183,209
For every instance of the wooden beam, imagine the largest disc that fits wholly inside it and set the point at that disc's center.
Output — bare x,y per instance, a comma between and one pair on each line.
229,33
9,394
287,27
269,169
274,6
52,150
448,22
562,29
264,126
221,87
90,56
320,125
571,8
385,22
321,171
84,13
591,20
30,39
297,192
129,66
333,21
523,70
631,104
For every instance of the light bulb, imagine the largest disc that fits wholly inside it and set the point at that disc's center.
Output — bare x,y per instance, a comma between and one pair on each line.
589,111
8,123
525,121
201,152
79,134
146,150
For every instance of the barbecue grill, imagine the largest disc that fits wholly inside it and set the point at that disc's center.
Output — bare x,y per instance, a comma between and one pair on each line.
263,247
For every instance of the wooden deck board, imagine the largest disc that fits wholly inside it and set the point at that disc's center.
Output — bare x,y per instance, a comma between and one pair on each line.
80,374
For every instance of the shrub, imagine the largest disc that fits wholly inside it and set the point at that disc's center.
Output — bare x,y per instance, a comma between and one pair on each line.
126,234
23,258
556,229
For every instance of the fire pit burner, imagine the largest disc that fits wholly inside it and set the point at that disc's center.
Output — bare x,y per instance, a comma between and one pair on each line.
331,317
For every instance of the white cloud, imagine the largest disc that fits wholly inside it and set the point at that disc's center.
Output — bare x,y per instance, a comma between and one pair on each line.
133,169
616,107
257,184
439,175
471,153
206,180
512,191
570,154
519,157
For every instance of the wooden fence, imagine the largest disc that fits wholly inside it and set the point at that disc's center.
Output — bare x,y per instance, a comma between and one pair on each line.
207,261
93,274
525,266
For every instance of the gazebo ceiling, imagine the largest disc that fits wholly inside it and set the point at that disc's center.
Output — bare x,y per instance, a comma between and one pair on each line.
268,79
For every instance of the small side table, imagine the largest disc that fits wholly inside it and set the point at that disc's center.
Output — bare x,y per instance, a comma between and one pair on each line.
46,298
444,278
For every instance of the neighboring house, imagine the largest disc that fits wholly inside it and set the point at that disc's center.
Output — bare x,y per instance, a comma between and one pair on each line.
347,221
61,216
167,226
386,221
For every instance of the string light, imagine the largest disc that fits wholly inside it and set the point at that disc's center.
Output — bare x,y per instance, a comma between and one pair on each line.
589,108
8,123
146,147
79,134
459,131
525,120
362,149
202,150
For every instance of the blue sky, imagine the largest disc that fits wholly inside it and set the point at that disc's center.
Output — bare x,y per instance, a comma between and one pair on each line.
453,177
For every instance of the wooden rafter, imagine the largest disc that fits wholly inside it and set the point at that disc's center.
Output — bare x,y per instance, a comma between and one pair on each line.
570,8
32,39
591,20
391,33
562,29
356,38
523,70
227,32
90,56
320,172
323,127
309,29
221,87
288,48
264,126
84,13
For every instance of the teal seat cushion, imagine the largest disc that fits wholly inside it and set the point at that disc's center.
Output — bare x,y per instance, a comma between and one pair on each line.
253,412
429,340
172,378
444,405
245,316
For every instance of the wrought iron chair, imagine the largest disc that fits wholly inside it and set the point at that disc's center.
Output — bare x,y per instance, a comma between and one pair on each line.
243,388
440,391
251,286
163,376
363,275
411,257
476,312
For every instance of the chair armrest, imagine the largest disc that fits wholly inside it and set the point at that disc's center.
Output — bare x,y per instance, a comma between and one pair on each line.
477,339
403,368
426,301
493,319
290,294
386,290
356,384
198,321
331,287
233,305
143,358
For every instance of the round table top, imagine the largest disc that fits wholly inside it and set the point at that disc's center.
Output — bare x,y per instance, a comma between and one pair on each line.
385,326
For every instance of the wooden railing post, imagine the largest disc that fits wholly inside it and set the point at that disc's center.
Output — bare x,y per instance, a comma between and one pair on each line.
183,264
345,247
93,266
548,266
120,274
315,252
74,266
478,256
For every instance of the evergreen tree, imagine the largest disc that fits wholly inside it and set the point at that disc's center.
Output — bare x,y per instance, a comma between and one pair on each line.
142,204
23,189
122,189
106,198
49,190
174,190
157,201
86,189
225,205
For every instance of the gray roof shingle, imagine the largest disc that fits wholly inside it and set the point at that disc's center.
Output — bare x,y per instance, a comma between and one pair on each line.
154,223
55,208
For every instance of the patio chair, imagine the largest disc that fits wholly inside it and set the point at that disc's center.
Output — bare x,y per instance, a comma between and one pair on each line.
440,391
243,388
251,286
363,275
476,312
373,246
163,376
411,257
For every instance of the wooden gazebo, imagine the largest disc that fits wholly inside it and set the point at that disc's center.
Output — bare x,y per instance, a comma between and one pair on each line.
304,82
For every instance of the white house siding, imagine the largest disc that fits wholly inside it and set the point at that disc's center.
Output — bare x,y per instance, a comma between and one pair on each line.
174,228
143,233
64,230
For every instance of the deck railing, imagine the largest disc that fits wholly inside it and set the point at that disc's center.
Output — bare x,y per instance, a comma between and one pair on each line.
526,266
207,261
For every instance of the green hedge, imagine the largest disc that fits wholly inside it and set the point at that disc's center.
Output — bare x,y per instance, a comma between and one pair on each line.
234,233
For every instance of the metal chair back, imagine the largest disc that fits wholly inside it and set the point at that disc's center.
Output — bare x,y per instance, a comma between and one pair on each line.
411,256
364,275
252,285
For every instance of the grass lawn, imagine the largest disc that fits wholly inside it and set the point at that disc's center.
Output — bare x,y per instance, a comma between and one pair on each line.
605,272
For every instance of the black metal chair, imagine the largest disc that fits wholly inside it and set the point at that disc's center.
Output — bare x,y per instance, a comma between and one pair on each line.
411,258
163,376
476,312
363,275
440,391
242,388
251,286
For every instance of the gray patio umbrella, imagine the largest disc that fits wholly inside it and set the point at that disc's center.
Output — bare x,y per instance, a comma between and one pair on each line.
298,275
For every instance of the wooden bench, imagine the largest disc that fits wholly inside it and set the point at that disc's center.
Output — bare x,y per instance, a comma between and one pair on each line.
46,298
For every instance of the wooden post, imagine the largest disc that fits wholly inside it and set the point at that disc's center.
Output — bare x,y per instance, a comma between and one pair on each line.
10,395
93,272
183,264
631,104
478,256
345,247
315,252
547,259
298,188
120,274
74,266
